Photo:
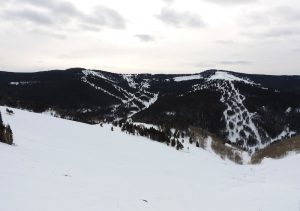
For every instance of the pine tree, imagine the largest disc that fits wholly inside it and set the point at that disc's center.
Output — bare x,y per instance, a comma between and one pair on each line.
173,142
179,145
191,140
9,135
6,134
1,121
2,128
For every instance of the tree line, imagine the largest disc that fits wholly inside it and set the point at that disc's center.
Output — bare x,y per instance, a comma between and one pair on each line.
162,136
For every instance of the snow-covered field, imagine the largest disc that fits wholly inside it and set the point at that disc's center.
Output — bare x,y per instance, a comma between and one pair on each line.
60,165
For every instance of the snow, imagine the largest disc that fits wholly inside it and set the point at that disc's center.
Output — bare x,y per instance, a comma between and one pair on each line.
286,133
127,97
237,117
170,113
62,165
130,81
241,118
288,110
220,75
152,100
23,83
146,104
96,74
187,78
51,112
145,125
240,122
84,79
145,84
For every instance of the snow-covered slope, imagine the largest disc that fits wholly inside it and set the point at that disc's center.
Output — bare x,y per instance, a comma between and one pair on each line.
134,99
62,165
240,126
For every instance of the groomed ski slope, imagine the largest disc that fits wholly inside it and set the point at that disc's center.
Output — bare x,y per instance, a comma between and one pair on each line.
60,165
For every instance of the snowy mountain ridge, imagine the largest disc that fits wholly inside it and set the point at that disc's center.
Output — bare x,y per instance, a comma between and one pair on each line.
250,111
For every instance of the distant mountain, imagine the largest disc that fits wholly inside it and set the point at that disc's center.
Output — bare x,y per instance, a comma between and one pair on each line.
250,111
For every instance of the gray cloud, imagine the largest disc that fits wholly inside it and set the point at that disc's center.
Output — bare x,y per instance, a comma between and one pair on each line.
274,33
225,42
281,32
3,3
59,7
280,14
145,37
180,19
280,21
169,1
239,62
89,27
28,15
204,65
103,16
254,18
48,34
286,13
61,14
297,50
231,2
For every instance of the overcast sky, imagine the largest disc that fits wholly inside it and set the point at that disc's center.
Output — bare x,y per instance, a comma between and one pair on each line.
157,36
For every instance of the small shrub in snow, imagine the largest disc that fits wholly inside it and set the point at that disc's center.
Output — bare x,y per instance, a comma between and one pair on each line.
179,145
10,112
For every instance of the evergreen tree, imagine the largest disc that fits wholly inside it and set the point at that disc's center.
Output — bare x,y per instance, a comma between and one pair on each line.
191,140
2,128
8,135
173,142
1,121
179,145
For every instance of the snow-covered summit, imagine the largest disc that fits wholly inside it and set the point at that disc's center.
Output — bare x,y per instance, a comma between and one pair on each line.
225,76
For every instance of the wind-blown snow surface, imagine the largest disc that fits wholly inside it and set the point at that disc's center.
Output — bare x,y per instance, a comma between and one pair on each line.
187,78
67,166
220,75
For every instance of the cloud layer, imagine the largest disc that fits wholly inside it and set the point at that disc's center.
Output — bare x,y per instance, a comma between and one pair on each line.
180,19
231,2
145,37
259,36
278,22
53,13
